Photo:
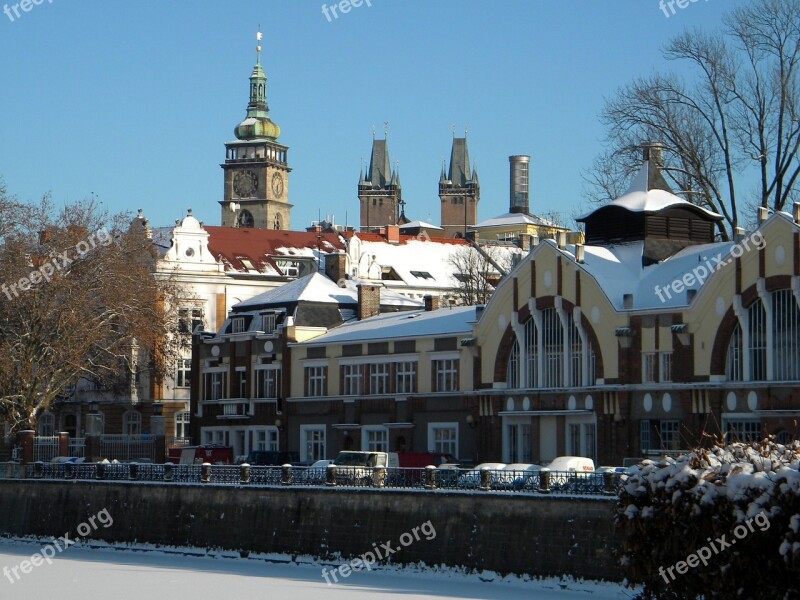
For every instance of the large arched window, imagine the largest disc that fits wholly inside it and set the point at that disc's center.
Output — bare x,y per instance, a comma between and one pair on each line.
782,352
545,359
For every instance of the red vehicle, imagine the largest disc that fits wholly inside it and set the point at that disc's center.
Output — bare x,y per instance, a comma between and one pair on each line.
195,455
423,459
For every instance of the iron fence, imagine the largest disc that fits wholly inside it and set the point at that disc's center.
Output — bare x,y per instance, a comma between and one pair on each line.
531,482
129,448
45,447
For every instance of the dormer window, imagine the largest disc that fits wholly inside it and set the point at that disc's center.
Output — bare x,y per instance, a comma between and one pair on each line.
237,325
269,323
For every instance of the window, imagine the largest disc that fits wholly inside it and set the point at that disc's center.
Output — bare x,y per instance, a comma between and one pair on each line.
531,376
375,439
666,367
268,382
786,336
446,373
421,274
670,435
312,443
443,438
215,385
581,439
269,323
215,436
352,380
512,374
132,423
784,321
553,344
379,378
190,319
576,356
644,436
316,380
242,377
183,373
758,342
182,424
237,325
649,362
47,424
742,430
265,439
406,377
734,368
519,442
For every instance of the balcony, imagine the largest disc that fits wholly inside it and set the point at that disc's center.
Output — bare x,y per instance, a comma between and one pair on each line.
234,409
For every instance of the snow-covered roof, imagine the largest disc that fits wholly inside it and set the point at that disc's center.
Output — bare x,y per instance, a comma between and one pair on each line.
509,219
618,270
639,198
410,324
416,261
420,225
318,288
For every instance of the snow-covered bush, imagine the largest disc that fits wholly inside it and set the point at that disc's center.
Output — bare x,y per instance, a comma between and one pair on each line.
722,522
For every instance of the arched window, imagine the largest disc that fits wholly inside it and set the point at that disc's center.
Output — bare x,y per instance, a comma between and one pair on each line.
524,369
784,350
278,222
245,219
132,423
47,424
512,376
69,423
553,346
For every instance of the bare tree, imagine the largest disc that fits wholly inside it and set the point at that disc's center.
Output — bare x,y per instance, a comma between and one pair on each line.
740,111
77,300
478,271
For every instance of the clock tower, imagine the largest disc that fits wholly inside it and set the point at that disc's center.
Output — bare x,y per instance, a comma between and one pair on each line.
256,167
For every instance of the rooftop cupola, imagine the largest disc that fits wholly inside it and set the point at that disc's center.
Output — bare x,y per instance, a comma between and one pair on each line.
258,125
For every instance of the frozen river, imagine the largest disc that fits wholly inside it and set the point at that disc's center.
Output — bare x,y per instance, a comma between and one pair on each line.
81,573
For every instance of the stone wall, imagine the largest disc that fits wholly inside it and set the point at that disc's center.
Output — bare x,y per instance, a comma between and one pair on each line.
540,536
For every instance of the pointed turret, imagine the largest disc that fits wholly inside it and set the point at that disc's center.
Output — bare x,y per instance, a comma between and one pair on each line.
380,191
257,125
459,191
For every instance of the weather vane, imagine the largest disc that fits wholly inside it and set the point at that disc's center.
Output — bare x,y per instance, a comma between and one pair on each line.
258,44
385,128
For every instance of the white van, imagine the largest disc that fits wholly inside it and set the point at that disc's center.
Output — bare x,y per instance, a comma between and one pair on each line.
354,466
578,464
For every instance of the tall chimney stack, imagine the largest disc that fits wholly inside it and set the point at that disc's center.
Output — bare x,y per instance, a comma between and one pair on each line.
519,183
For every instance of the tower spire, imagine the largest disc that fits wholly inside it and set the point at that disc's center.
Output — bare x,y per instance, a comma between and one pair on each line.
258,45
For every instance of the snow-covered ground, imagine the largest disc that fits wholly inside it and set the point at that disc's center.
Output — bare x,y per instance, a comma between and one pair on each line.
80,573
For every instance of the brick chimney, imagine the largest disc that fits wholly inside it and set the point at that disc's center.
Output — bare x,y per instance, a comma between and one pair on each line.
369,301
336,266
431,303
393,234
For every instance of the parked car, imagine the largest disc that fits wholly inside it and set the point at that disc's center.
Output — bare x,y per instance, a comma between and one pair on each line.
315,474
472,478
271,458
420,460
516,476
211,453
358,466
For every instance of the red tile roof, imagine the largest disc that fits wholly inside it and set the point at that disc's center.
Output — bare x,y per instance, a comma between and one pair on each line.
377,237
233,244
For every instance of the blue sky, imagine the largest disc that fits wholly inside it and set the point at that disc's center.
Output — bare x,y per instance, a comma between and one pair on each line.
133,101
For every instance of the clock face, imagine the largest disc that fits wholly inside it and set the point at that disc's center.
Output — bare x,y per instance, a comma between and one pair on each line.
245,184
277,184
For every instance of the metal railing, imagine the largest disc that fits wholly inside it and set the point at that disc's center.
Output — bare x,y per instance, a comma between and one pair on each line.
129,448
77,447
45,447
531,482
